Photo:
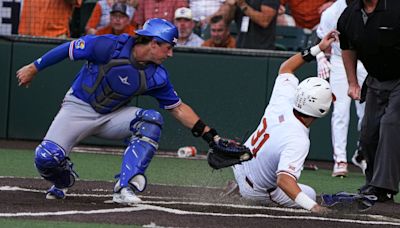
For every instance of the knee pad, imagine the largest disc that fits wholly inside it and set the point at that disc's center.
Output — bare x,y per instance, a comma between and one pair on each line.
146,129
53,164
147,125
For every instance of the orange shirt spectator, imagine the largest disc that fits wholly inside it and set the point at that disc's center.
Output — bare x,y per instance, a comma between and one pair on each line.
220,34
230,43
46,17
129,29
306,13
119,21
165,9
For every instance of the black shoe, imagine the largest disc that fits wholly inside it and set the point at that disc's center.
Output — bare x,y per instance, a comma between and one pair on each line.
382,194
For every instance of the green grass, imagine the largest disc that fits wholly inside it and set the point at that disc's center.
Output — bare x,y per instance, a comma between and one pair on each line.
171,171
322,181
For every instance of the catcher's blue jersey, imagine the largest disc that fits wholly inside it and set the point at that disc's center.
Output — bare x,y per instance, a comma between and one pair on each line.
111,77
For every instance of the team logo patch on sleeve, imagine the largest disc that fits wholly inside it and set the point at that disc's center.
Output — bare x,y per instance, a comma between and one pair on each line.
80,44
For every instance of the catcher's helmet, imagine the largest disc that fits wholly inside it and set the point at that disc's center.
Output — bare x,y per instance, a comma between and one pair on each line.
161,29
313,97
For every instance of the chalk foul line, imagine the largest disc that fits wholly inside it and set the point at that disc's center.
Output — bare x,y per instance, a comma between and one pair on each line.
147,205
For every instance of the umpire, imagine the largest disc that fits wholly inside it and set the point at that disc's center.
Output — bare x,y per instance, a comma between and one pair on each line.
370,31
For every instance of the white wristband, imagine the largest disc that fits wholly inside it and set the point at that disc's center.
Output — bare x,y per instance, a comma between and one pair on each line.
304,201
320,55
315,50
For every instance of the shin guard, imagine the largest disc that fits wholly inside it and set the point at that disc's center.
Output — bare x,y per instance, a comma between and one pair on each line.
146,130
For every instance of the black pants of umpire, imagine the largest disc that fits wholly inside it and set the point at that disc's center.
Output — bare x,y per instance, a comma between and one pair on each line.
380,134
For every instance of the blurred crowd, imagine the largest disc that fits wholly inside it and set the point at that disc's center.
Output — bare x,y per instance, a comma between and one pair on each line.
207,23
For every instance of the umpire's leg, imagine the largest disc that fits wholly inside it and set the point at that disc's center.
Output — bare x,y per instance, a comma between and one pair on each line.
387,159
369,135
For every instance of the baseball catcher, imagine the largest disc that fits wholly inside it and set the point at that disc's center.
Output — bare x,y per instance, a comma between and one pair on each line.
117,69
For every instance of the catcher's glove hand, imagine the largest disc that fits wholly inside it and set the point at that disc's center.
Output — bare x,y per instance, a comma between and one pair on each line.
344,201
225,152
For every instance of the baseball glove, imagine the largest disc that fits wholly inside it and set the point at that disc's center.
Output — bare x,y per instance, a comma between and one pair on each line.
348,202
225,152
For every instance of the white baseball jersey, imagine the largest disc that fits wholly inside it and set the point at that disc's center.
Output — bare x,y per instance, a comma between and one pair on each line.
280,144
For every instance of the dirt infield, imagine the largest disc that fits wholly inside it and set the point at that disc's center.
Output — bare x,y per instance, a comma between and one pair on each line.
170,206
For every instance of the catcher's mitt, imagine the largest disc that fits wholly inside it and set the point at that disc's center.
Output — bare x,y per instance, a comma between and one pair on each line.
225,152
344,201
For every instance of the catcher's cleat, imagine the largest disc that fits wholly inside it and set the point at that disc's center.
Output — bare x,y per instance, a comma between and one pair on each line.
126,197
56,193
340,169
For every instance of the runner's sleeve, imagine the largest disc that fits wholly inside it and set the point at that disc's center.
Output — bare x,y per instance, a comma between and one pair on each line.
293,157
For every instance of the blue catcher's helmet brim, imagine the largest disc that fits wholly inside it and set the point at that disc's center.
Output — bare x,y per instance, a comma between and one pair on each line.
146,33
143,32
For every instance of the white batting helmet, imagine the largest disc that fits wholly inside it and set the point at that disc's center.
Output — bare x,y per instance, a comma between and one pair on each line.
313,97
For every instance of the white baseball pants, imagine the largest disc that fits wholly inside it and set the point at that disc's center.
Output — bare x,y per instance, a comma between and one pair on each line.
263,196
341,107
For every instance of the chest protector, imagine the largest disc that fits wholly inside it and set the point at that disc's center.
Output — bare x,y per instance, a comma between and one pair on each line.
118,81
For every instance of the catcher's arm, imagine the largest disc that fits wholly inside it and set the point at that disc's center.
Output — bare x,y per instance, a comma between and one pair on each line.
187,117
26,74
96,49
289,185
